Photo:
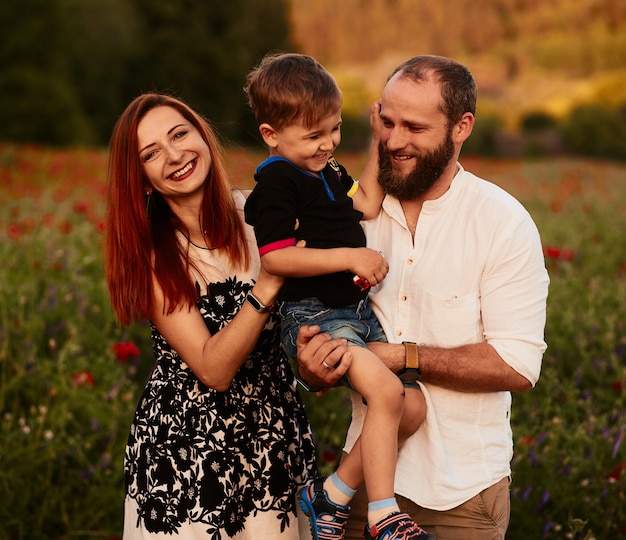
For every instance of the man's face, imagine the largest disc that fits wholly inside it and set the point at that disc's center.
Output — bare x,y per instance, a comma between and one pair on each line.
416,145
427,169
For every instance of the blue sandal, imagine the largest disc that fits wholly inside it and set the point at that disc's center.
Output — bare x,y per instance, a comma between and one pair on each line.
397,526
327,520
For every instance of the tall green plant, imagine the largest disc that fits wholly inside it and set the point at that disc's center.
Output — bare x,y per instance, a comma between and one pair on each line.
68,388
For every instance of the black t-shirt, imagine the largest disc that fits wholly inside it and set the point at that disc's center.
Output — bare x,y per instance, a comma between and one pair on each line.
326,219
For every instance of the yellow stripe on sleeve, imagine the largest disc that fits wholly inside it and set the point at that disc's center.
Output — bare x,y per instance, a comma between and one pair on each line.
353,189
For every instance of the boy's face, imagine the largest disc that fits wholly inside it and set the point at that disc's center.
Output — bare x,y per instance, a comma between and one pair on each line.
307,148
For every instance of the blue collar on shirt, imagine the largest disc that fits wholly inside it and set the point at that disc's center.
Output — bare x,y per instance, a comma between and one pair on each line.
272,159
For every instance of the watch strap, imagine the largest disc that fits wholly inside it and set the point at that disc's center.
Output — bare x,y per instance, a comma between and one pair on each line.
256,303
305,384
411,355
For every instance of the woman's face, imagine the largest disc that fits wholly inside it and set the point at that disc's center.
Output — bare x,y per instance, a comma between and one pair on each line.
175,158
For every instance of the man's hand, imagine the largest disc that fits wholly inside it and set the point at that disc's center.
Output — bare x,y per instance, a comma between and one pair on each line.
322,360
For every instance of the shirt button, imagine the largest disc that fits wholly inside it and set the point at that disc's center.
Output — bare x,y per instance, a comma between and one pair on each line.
403,297
399,333
409,261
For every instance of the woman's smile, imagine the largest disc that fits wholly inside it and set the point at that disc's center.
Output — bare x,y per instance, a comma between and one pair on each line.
183,173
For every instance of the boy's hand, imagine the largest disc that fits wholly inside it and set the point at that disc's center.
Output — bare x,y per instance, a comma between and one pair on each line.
369,265
376,123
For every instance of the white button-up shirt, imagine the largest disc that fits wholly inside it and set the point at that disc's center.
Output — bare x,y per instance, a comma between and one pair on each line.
474,272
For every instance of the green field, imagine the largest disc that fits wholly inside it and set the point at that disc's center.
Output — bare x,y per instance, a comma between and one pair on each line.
70,376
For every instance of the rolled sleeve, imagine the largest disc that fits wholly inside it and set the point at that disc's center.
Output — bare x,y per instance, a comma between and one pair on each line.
514,293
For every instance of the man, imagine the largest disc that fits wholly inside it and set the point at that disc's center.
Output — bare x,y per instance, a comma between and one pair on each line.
463,306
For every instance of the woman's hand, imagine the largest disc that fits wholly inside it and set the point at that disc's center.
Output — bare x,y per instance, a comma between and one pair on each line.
267,286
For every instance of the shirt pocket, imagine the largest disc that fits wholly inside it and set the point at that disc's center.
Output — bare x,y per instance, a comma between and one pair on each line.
451,321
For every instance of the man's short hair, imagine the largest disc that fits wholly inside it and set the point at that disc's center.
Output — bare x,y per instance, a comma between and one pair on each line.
458,88
288,87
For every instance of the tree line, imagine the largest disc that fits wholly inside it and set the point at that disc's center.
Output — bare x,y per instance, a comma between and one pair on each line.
69,67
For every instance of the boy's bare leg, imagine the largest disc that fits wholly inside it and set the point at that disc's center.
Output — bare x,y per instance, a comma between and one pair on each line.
373,459
413,416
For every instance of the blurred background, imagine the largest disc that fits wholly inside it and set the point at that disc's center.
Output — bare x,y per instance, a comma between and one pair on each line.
551,75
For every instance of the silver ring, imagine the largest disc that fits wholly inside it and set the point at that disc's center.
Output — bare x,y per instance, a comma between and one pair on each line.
325,365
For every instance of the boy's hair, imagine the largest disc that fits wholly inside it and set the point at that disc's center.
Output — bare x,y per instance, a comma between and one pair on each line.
289,87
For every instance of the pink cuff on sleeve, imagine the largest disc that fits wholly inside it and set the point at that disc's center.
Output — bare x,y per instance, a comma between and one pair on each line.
280,244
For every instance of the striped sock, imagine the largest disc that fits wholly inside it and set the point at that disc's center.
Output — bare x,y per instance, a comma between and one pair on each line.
338,491
379,510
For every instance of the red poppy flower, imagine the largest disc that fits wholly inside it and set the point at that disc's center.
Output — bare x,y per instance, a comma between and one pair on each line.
617,471
526,440
83,378
562,254
81,207
124,350
14,231
66,227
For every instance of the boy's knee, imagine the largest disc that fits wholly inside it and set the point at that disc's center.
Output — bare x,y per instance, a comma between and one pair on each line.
413,415
389,394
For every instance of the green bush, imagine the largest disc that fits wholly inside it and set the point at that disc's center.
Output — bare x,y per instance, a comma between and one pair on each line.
484,138
38,107
356,134
597,131
537,121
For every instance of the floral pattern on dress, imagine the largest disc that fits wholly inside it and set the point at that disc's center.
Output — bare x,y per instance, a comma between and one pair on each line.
217,459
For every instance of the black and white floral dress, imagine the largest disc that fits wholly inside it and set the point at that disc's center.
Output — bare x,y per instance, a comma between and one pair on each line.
211,465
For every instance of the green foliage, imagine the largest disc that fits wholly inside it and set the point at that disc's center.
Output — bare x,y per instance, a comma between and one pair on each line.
66,399
73,65
329,415
537,121
203,51
31,104
484,138
356,134
596,130
67,396
569,456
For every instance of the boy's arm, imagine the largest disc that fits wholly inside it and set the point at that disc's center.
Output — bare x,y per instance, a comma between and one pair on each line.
294,261
369,197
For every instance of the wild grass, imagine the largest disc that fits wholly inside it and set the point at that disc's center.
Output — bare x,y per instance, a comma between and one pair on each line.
70,377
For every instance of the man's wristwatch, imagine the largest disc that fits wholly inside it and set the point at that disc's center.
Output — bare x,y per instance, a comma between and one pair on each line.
305,384
411,370
256,303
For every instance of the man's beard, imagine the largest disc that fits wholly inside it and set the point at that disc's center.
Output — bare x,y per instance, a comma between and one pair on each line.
428,169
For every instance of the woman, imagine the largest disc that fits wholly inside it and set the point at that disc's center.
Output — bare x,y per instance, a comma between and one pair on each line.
220,441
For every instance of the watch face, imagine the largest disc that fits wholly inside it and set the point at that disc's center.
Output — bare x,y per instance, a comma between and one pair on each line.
254,302
410,374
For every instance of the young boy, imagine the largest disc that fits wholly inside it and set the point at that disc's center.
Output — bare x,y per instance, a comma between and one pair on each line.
302,193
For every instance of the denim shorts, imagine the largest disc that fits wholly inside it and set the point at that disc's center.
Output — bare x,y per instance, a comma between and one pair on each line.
356,323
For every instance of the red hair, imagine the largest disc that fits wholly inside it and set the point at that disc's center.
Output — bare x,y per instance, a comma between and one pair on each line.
138,243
